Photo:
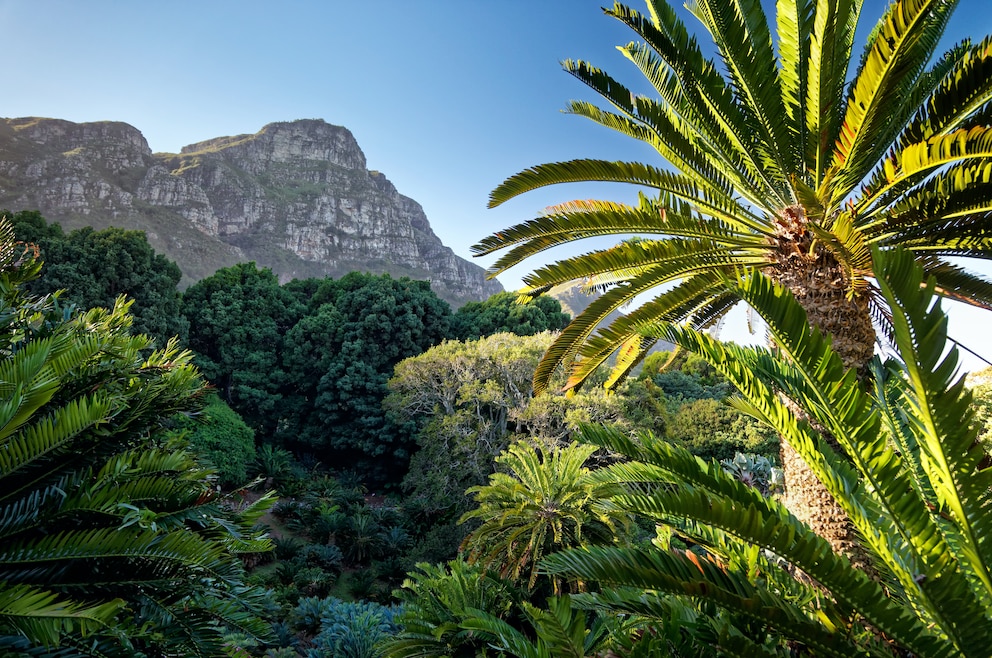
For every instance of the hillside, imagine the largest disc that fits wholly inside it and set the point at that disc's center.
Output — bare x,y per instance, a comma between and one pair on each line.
296,197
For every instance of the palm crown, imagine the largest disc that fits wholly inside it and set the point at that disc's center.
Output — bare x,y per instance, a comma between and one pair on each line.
777,163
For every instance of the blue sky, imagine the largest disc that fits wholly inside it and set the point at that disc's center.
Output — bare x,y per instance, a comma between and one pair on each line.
445,97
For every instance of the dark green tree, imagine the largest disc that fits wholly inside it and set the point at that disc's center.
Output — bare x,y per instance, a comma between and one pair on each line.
95,267
338,358
223,438
237,320
508,312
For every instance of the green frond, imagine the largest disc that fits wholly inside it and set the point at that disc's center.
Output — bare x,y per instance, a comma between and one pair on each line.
686,188
44,617
962,90
742,36
20,513
654,258
172,552
578,220
708,495
832,39
795,29
890,390
506,638
959,93
631,353
253,512
686,574
896,56
52,432
568,343
695,116
954,200
692,301
708,93
896,528
944,430
654,127
956,283
919,160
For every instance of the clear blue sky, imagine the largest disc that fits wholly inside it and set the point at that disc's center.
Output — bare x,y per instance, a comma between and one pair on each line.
446,97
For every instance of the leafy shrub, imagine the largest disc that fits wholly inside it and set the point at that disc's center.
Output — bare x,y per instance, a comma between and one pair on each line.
285,637
285,509
286,548
395,540
314,581
286,571
361,583
274,464
281,652
682,386
713,430
328,558
364,538
309,612
354,630
439,544
219,434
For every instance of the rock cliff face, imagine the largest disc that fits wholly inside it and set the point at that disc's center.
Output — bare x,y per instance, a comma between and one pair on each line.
295,197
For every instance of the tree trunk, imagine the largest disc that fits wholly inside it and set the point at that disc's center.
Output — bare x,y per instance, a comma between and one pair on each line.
819,284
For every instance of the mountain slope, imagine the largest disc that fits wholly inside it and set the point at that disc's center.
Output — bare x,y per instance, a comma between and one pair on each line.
296,197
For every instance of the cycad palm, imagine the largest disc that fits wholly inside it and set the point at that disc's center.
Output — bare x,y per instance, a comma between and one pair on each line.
907,470
108,528
777,164
547,501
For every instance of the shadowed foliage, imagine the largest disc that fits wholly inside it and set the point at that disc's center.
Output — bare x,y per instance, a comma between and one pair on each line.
113,539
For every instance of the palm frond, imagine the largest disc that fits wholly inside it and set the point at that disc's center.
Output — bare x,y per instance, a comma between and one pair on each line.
742,36
706,89
795,29
896,57
832,39
945,433
569,341
686,574
44,617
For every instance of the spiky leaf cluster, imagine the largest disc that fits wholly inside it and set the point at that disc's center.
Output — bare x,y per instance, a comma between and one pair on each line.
773,159
907,470
113,539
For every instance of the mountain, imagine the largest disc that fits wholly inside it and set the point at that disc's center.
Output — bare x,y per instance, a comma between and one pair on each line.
295,197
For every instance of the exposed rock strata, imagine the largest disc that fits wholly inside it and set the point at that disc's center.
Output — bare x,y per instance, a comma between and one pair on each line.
296,197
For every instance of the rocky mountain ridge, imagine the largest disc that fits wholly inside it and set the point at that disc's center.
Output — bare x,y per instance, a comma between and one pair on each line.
296,197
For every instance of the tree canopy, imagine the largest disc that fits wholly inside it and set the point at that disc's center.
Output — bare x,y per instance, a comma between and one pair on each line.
238,318
96,267
508,312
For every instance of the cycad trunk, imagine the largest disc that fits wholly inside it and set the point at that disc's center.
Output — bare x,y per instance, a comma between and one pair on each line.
820,285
